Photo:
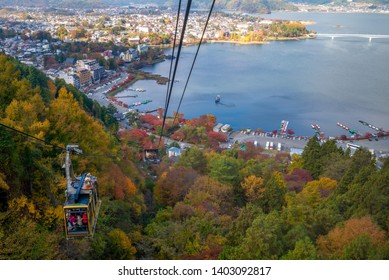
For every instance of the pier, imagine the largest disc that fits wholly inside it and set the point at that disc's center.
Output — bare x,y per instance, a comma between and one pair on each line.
125,96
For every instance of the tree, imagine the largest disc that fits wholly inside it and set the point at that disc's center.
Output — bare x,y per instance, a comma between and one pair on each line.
173,185
239,226
274,194
304,250
193,158
70,124
251,167
225,170
311,157
343,240
262,240
297,179
210,196
316,190
361,161
119,246
254,188
116,183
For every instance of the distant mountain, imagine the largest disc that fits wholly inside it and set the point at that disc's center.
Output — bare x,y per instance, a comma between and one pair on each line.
248,6
53,3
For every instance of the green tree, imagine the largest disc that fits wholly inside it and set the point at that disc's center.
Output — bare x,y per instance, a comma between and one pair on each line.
304,250
311,157
193,158
274,194
238,229
262,240
225,170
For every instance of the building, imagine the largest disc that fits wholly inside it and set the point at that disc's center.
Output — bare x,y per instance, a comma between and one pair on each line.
85,76
174,152
70,78
130,55
217,127
93,67
225,128
142,48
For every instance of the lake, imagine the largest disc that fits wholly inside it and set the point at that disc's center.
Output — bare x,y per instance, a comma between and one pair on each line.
314,81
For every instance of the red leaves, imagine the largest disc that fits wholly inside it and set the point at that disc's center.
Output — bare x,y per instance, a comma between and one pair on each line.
221,137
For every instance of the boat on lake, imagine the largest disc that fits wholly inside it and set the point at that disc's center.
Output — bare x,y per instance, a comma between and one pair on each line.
217,99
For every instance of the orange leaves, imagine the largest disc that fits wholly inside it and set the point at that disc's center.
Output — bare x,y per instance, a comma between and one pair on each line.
335,242
116,183
178,136
173,185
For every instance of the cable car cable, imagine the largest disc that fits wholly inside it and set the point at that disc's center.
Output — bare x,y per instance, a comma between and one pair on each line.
194,60
50,144
31,136
189,3
173,51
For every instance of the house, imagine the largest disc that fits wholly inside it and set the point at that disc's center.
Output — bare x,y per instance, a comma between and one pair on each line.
130,55
143,48
174,152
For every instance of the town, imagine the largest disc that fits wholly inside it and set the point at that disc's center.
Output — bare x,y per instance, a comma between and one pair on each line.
97,50
116,36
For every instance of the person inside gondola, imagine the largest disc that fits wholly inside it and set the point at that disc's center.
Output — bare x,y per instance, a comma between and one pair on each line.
71,220
84,218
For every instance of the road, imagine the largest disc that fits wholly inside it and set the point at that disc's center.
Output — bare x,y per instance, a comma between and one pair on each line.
100,97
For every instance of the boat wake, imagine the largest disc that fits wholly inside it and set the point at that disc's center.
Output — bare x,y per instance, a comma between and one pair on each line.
227,105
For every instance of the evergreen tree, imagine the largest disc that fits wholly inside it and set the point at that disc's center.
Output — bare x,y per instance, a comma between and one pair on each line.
311,157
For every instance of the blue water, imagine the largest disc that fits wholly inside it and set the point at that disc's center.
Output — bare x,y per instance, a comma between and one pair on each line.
319,81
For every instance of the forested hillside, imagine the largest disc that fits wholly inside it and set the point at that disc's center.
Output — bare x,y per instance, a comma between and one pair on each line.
241,203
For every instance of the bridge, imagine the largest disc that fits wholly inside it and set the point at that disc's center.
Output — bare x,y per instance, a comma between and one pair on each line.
336,35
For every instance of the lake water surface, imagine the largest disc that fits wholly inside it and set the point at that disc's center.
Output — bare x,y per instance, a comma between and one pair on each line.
319,81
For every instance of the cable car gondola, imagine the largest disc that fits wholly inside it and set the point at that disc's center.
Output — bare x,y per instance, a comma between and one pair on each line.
82,204
151,155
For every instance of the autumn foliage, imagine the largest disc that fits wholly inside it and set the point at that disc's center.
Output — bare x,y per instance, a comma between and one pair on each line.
338,240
